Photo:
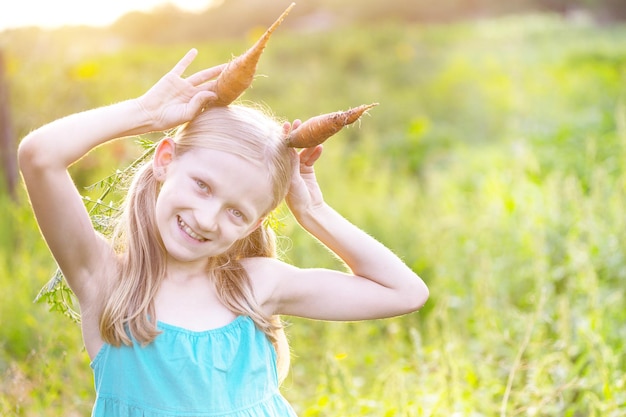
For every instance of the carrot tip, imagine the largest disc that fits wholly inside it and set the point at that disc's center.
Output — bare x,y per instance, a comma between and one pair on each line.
280,19
239,74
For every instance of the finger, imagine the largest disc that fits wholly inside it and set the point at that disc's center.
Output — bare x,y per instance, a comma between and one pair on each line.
288,127
200,100
208,86
309,156
182,65
205,75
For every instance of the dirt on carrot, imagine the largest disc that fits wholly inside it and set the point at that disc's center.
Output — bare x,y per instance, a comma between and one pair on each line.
319,128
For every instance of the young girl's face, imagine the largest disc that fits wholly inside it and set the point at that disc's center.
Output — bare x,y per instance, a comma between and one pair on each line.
208,200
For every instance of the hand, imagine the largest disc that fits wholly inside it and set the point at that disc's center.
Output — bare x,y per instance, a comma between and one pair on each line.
174,100
304,192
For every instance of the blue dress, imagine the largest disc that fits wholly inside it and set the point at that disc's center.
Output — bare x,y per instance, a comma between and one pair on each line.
228,372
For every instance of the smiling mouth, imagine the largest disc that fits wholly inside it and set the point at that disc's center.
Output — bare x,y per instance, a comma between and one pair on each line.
185,228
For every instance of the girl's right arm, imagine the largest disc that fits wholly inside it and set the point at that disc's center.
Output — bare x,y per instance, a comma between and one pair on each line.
45,155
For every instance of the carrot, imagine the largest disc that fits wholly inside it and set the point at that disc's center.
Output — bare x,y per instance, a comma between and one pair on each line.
239,73
319,128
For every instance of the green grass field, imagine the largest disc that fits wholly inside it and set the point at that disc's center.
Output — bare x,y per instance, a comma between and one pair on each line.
495,166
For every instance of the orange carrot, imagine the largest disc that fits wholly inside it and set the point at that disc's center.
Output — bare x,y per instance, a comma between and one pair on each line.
319,128
239,73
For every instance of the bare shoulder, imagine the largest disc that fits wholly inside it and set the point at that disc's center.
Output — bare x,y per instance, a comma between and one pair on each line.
266,275
267,271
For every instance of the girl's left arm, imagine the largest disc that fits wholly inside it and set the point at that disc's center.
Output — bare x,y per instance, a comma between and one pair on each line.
379,283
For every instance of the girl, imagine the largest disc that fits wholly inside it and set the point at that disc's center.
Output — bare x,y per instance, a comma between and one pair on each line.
180,309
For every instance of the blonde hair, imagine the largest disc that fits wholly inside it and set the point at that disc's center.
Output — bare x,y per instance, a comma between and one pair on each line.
245,132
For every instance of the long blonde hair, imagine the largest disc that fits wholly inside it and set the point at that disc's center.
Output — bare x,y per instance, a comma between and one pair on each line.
246,132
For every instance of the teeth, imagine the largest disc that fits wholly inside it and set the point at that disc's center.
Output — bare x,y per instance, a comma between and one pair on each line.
190,232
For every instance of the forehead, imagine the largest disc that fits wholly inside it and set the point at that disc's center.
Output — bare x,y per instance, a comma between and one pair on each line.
235,178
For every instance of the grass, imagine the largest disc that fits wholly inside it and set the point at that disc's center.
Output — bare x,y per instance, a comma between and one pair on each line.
495,166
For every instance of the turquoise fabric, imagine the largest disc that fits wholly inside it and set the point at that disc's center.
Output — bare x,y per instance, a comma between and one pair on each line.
226,372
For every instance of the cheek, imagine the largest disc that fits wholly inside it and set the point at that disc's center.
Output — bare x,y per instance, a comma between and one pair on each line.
233,232
166,202
173,194
158,216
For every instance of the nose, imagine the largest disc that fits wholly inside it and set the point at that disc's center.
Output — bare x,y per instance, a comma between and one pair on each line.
207,217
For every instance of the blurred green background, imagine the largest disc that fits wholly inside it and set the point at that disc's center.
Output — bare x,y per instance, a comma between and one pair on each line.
495,166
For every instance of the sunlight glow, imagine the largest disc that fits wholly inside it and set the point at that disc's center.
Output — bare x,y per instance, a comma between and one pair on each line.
50,14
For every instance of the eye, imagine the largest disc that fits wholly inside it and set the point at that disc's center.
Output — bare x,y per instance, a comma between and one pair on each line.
238,214
202,185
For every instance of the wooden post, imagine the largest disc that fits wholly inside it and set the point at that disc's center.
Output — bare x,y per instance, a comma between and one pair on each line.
8,155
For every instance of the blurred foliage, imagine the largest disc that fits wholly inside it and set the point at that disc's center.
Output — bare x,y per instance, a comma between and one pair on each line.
227,19
495,166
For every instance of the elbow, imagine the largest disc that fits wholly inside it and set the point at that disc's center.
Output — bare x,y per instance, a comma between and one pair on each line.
417,296
25,153
30,157
424,296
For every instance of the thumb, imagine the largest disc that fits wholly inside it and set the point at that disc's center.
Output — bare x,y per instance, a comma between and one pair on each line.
201,100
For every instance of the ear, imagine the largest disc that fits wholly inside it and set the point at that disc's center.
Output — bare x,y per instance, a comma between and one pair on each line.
256,226
163,156
258,223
